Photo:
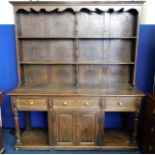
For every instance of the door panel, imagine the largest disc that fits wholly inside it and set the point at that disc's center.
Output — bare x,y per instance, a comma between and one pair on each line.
65,129
87,129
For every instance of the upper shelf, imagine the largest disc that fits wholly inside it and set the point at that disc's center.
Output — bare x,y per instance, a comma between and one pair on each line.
67,37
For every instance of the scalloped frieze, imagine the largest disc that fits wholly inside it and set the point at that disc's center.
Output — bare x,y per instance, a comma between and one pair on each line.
76,8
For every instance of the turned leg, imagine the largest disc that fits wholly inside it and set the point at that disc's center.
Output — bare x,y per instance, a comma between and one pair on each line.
135,130
100,139
51,121
28,120
100,136
136,121
16,118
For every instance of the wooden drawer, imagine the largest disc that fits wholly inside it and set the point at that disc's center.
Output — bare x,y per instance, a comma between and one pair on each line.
36,104
121,104
76,103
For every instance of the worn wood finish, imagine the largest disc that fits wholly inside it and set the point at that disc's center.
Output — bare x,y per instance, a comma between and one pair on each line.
148,134
76,61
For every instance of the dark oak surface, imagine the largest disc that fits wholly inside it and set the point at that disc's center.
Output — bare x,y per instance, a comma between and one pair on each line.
76,61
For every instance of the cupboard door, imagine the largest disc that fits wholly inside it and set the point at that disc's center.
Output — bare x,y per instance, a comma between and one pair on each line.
65,128
87,128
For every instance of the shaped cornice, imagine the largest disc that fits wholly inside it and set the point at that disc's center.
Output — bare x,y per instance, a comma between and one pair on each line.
77,6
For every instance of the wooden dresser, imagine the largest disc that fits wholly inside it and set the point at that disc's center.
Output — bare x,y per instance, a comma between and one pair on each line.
1,139
149,125
77,62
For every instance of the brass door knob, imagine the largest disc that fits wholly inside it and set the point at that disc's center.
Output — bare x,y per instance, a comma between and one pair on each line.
120,103
87,103
65,103
31,103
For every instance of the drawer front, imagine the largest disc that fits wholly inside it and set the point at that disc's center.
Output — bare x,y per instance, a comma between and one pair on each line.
39,104
121,103
76,103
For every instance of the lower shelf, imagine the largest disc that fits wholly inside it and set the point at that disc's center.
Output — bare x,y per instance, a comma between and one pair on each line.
117,137
34,137
37,139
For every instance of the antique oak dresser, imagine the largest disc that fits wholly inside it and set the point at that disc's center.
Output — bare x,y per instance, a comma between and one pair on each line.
77,62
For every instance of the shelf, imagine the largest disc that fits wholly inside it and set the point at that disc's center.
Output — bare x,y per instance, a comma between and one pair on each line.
39,38
72,63
34,137
113,139
117,137
87,37
46,63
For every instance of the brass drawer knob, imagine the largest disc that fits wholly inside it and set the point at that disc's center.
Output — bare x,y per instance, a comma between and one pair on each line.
31,103
120,103
86,103
65,103
152,129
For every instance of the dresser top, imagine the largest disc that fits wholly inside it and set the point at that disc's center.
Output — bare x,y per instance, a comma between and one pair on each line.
81,91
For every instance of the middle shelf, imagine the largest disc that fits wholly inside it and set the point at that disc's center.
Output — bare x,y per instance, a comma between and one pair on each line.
74,37
76,62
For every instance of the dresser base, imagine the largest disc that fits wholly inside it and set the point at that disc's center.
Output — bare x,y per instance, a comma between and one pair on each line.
83,112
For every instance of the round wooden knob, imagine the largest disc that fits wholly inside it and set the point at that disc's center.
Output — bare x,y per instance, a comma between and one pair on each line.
120,103
31,103
65,103
87,103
